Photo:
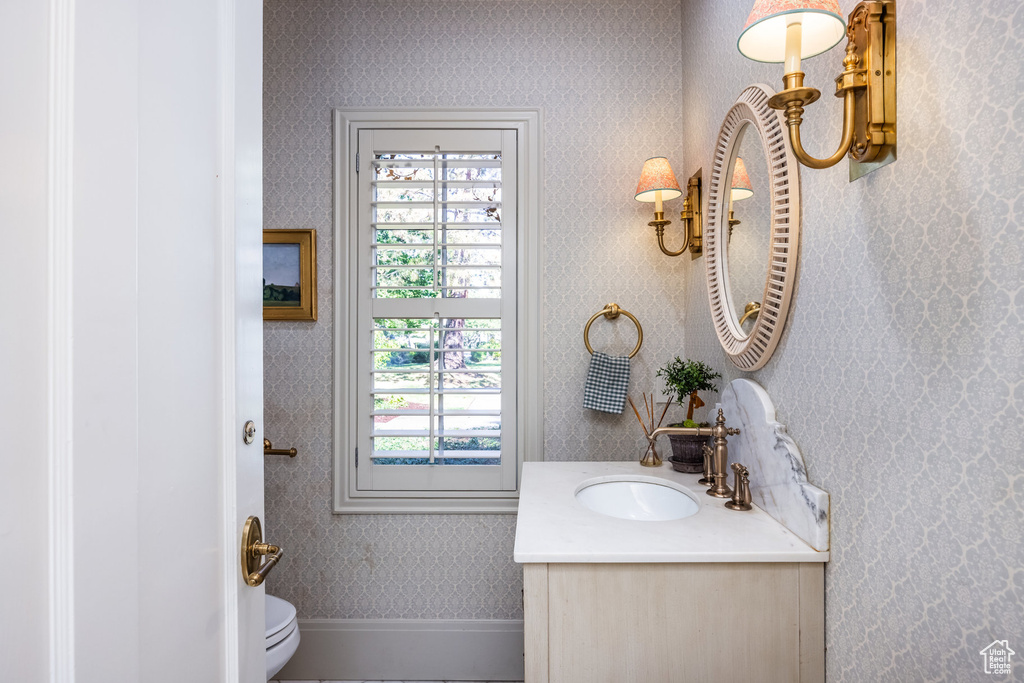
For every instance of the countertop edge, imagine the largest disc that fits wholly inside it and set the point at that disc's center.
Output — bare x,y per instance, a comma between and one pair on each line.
690,558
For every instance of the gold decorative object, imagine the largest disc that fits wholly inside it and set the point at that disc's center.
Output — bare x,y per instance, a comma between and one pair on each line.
867,84
253,548
268,449
289,275
611,312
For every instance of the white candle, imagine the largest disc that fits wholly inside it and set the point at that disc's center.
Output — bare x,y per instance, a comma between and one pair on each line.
657,201
794,43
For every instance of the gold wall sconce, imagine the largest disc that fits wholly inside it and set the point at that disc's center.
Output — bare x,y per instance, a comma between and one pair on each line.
799,29
741,188
658,184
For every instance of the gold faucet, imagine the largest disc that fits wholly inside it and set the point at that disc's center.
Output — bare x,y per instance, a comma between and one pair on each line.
719,487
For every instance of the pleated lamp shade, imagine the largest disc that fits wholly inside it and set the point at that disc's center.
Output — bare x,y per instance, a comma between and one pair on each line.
764,37
657,175
741,187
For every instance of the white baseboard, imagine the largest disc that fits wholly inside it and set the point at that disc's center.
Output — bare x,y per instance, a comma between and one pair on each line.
407,649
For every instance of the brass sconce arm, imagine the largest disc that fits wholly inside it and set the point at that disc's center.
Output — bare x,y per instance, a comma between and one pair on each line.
659,224
794,110
690,218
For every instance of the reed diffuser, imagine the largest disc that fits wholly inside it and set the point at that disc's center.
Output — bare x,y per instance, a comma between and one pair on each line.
650,457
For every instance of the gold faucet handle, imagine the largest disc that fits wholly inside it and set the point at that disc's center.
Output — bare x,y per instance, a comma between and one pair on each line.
731,431
707,479
741,490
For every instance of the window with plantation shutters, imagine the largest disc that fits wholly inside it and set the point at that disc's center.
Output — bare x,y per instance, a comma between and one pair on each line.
434,358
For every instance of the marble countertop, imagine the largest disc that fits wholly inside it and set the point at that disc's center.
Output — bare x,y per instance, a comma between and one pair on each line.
553,527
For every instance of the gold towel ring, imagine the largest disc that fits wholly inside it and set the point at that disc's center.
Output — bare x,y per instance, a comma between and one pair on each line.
611,312
750,310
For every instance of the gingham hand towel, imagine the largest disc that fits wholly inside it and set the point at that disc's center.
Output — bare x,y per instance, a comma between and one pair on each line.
607,383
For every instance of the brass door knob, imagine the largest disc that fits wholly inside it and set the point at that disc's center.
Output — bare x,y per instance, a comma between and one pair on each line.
253,548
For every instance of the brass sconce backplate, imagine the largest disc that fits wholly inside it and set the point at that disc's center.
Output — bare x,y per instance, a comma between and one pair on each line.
872,32
693,194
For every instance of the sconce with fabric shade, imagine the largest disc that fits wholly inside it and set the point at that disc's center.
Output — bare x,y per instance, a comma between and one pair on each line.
790,30
741,187
658,184
764,37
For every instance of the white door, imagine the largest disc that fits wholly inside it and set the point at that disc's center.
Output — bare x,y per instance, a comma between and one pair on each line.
130,218
247,202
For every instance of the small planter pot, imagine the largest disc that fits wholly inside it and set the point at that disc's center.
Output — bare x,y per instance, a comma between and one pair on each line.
687,452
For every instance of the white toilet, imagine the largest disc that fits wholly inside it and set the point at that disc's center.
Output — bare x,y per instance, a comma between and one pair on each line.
282,634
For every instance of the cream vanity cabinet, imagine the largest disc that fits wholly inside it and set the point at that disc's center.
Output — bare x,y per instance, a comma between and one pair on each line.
717,596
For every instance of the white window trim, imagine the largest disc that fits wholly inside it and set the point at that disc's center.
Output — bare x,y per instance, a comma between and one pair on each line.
529,380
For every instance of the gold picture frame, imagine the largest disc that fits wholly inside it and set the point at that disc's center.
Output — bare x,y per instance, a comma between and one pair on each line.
289,275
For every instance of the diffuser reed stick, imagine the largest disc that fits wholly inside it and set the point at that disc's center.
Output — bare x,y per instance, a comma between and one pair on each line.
638,418
667,404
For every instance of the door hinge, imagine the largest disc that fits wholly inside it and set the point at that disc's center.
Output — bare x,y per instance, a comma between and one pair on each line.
357,162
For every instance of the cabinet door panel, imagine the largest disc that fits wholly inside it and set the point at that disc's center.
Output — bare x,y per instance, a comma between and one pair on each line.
674,622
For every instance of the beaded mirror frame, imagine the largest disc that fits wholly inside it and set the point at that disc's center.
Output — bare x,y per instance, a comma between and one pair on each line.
751,351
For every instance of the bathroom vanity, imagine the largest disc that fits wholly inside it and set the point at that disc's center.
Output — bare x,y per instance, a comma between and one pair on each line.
715,595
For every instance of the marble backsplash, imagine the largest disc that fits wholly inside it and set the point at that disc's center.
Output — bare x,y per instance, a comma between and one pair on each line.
778,476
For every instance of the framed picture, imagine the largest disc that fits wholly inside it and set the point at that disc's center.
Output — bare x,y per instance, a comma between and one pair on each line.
289,274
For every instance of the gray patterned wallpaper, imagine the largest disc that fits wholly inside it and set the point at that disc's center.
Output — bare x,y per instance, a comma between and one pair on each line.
606,74
900,373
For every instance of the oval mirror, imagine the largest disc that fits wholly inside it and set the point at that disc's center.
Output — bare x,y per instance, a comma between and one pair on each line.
752,229
745,251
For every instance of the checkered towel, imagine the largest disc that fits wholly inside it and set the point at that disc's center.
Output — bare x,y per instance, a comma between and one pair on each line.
607,383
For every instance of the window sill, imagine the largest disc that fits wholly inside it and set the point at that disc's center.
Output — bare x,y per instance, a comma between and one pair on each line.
379,505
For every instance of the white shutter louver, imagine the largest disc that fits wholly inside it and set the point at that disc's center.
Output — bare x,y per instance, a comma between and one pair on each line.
437,318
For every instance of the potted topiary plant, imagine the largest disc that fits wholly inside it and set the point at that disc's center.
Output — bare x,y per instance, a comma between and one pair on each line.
683,379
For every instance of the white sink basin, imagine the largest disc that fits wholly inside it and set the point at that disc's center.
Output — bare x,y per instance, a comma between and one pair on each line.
636,498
